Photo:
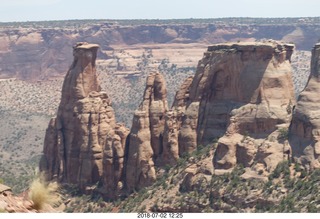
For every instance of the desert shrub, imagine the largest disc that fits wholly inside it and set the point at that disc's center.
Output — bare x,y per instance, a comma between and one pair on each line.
315,176
283,134
312,208
89,209
167,168
303,174
143,208
297,167
69,210
282,168
42,193
288,182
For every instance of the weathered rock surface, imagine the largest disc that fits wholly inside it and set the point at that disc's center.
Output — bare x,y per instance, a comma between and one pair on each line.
243,94
10,203
145,144
173,121
239,90
140,171
305,126
155,101
252,96
23,45
198,173
83,144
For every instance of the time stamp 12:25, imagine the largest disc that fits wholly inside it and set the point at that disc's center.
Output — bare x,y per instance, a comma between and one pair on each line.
160,215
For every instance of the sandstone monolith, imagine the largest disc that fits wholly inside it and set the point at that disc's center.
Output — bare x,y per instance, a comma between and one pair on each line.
83,143
305,126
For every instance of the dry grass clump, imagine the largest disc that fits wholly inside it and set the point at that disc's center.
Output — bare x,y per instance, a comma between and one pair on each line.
42,192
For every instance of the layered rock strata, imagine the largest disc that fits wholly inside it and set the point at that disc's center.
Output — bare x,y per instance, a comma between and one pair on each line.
253,96
83,144
172,149
305,126
242,93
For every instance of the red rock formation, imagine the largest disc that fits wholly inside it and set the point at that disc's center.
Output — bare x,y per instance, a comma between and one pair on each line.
305,126
145,145
83,144
10,203
155,101
252,96
173,121
239,90
242,92
140,171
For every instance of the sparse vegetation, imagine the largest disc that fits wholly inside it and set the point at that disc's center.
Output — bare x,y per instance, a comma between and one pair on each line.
26,108
42,193
283,134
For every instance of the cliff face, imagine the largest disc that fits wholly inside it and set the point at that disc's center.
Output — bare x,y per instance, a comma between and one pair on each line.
83,144
242,96
305,126
145,144
33,51
242,93
248,81
239,90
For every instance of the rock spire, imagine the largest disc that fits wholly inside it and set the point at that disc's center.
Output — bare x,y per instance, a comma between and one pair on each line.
83,144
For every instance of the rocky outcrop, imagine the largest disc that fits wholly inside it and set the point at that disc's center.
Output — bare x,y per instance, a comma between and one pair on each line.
155,103
173,121
83,144
242,96
252,97
10,203
140,169
242,93
145,140
38,50
239,90
305,126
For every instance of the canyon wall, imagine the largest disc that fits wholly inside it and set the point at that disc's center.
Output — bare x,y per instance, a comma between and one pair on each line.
40,50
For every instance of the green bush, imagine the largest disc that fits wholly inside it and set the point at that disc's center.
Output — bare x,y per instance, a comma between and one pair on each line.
283,134
282,168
